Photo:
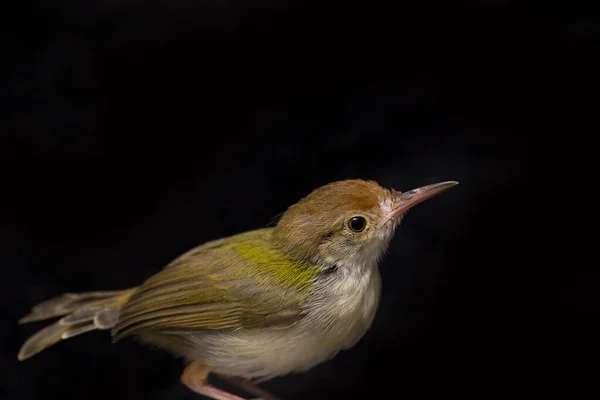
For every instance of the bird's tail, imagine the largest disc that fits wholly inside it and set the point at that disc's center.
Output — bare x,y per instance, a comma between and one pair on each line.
81,312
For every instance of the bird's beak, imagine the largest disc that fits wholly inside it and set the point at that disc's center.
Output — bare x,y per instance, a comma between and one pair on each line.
406,200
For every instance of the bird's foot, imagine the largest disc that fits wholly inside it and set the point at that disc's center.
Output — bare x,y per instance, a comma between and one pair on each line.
195,377
250,388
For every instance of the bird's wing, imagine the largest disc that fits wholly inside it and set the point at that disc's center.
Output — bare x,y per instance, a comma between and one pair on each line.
243,282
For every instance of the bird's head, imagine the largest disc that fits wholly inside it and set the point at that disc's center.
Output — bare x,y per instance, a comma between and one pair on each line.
348,222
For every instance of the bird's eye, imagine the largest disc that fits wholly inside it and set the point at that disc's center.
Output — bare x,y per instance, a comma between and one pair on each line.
357,224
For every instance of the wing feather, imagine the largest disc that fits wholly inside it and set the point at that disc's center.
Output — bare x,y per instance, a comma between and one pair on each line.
216,287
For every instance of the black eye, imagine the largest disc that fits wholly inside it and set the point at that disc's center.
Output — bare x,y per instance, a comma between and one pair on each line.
357,224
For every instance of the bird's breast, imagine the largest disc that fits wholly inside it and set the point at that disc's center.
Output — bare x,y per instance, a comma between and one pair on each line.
345,305
340,312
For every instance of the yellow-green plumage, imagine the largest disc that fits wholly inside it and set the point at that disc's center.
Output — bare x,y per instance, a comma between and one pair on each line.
272,265
242,281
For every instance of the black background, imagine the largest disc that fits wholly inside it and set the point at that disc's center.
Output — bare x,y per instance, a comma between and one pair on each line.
133,131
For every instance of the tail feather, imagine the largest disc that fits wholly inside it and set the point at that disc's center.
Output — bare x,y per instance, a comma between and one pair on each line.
66,304
83,312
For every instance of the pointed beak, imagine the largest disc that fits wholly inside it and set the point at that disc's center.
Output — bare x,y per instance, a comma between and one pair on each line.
406,200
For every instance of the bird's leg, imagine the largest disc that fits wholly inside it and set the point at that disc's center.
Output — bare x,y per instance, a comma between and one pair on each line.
195,377
249,387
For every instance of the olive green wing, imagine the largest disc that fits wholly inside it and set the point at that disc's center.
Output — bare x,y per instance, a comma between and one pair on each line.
243,282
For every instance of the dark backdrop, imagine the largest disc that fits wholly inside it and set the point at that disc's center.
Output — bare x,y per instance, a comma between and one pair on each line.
133,131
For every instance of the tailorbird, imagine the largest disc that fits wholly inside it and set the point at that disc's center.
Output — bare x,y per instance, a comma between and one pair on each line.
259,304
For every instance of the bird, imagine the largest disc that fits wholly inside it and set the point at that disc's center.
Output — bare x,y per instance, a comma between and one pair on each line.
256,305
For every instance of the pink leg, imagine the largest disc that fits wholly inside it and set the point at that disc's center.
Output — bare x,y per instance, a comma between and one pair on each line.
195,377
249,387
214,393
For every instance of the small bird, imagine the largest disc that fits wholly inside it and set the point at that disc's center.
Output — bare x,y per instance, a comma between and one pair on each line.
259,304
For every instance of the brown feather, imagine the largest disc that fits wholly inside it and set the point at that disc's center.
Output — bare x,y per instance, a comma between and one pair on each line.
214,287
67,303
84,312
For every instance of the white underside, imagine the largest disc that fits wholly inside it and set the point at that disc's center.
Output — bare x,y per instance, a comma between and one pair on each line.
263,354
